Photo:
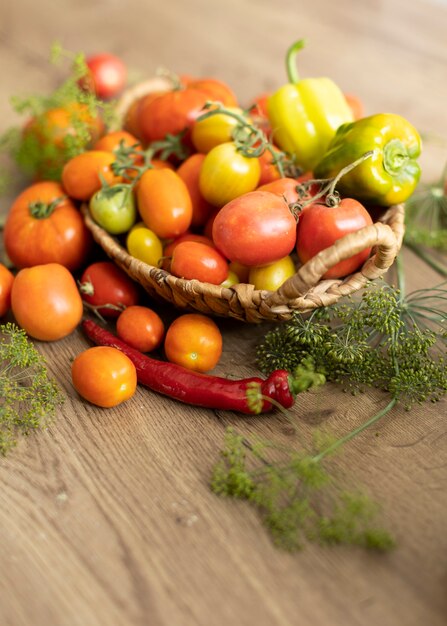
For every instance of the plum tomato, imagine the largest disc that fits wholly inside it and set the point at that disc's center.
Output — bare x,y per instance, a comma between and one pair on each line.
45,301
194,341
104,376
113,208
320,226
195,260
107,288
143,244
81,176
6,280
140,327
107,75
271,277
227,174
164,202
255,229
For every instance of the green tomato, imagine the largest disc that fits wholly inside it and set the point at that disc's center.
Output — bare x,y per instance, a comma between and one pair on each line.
270,277
143,244
114,209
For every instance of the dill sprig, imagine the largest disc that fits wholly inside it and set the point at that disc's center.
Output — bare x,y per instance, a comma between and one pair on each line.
28,397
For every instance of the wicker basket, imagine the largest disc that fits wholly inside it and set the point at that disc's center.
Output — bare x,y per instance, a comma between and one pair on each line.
302,292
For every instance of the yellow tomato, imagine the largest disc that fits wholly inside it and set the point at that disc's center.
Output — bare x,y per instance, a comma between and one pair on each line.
143,244
214,130
227,174
270,277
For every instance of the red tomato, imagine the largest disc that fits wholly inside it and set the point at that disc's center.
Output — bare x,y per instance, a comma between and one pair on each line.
189,172
44,226
45,301
192,259
81,175
107,77
284,187
104,376
164,202
255,229
194,341
319,226
6,280
141,328
104,283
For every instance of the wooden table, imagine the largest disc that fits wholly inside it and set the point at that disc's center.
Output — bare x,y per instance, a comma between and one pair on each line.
107,516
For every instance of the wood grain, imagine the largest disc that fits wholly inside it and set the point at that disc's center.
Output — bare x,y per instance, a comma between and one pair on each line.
106,517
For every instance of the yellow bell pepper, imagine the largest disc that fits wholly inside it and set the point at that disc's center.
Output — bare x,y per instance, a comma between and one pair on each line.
305,114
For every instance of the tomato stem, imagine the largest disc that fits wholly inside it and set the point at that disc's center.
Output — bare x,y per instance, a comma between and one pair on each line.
42,210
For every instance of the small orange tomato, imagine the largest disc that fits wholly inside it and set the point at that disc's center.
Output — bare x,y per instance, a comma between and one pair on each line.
171,246
104,376
81,176
356,105
194,341
195,260
45,301
164,203
269,171
6,280
189,172
113,140
141,328
284,187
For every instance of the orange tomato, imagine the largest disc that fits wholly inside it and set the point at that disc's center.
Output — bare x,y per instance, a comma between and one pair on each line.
195,260
6,281
45,301
284,187
44,226
104,376
189,172
81,175
164,202
141,328
269,171
112,141
356,105
194,341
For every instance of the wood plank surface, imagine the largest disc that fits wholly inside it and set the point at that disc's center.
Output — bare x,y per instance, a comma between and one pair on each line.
106,517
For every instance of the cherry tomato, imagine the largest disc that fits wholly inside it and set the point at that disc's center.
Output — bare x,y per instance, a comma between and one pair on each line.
171,246
231,279
141,328
227,174
44,226
45,301
269,171
114,140
189,172
113,208
194,341
164,203
144,245
214,130
104,283
319,226
104,376
240,270
81,176
107,75
255,229
272,276
6,280
192,259
285,187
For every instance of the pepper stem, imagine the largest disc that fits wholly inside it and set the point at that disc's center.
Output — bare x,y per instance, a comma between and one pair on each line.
292,71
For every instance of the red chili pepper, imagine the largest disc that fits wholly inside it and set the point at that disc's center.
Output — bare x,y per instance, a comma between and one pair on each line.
249,395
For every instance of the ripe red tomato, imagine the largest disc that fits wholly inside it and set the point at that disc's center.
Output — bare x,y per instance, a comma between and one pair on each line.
164,202
45,301
189,172
81,174
104,283
319,226
6,280
104,376
107,76
44,226
141,328
194,341
255,229
192,259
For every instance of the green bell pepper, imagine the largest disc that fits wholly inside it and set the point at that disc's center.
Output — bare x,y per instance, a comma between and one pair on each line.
392,172
305,114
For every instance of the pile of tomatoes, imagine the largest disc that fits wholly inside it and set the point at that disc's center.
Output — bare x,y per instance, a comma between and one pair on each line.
208,211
